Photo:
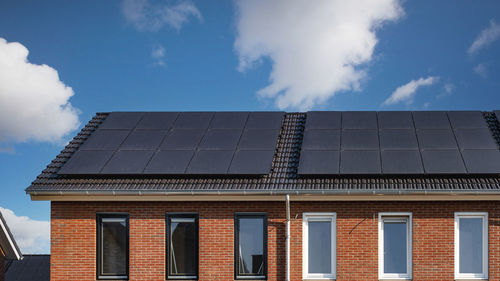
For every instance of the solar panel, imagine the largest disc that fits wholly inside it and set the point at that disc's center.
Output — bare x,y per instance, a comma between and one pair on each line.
475,139
436,139
180,139
359,120
105,140
323,120
265,120
485,161
128,162
157,120
169,162
251,162
395,120
398,139
360,162
86,162
193,120
467,120
210,162
321,140
121,120
229,120
143,139
401,162
359,140
218,139
258,140
443,162
314,162
431,120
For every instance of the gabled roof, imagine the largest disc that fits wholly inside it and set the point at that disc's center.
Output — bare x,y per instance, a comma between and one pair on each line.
30,268
283,177
7,242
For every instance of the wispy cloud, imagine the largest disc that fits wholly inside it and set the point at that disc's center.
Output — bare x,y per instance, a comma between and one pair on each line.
448,89
317,48
407,92
147,15
481,70
486,37
32,236
34,102
157,54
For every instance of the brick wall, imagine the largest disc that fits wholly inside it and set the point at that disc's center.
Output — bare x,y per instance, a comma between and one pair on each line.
2,266
73,239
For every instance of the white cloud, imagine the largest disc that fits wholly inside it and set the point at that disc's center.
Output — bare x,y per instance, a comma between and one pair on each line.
481,70
486,37
148,15
449,88
317,48
407,92
158,53
34,102
32,236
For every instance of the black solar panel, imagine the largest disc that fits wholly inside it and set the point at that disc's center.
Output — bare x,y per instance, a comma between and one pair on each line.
443,162
218,139
193,120
436,139
431,120
485,161
210,162
395,120
229,120
401,162
128,162
169,162
255,162
105,140
475,139
314,162
324,120
143,139
359,120
467,120
179,139
265,120
321,140
359,140
86,162
398,139
121,120
360,162
157,120
258,139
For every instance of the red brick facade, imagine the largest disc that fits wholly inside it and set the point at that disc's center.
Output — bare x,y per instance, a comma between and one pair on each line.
73,227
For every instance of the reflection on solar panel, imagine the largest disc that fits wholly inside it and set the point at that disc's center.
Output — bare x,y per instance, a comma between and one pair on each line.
204,143
432,142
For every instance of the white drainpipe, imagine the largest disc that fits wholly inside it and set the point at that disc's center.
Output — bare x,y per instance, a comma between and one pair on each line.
287,237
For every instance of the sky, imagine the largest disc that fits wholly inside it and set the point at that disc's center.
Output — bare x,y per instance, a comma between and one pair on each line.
63,61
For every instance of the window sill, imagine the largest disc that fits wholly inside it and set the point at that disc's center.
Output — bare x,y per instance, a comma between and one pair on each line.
316,279
469,279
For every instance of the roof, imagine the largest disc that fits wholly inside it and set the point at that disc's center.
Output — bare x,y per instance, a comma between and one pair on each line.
7,242
30,268
283,177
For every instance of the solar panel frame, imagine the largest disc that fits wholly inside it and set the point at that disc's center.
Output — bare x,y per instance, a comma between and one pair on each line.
193,120
431,120
143,140
265,120
255,139
251,162
475,139
157,121
395,120
331,120
436,139
169,162
360,162
182,139
400,139
359,120
360,140
102,139
401,162
121,120
447,161
220,139
229,120
319,162
467,120
84,162
482,161
128,162
321,140
214,162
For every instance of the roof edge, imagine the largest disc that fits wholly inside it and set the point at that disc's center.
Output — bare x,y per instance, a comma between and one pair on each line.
12,252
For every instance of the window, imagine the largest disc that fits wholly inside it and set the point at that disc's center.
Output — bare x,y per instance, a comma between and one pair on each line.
182,245
471,245
319,245
395,245
250,245
112,246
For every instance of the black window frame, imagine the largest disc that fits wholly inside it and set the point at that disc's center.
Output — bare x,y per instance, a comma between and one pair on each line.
238,276
168,217
99,274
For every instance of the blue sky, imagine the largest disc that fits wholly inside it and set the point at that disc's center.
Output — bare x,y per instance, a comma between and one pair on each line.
227,55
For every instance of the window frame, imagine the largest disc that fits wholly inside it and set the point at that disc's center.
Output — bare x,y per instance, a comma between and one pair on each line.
262,216
385,216
484,216
168,217
99,274
332,218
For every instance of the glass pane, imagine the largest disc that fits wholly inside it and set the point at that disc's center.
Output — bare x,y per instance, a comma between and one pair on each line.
395,247
114,247
471,245
320,247
251,246
183,248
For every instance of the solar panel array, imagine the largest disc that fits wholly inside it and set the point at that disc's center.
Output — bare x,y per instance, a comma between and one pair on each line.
193,143
421,142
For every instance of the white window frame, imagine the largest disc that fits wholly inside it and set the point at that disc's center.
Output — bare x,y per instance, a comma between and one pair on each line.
332,218
484,216
409,236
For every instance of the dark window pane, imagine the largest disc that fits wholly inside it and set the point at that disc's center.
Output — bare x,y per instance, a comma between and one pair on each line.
183,246
114,246
471,245
251,246
320,247
395,247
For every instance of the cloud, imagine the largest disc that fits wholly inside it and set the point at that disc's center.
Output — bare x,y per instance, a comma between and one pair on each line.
158,53
481,70
317,48
485,38
407,92
148,15
34,102
448,89
32,236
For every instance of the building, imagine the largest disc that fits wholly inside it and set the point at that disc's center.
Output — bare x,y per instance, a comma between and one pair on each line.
277,196
30,268
8,247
